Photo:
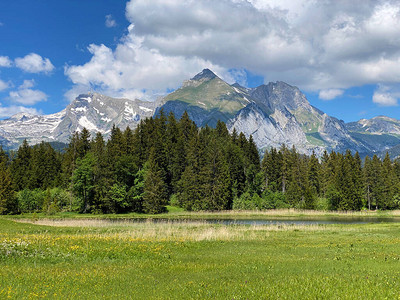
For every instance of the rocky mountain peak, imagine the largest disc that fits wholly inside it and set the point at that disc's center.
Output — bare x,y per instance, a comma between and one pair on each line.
206,74
21,116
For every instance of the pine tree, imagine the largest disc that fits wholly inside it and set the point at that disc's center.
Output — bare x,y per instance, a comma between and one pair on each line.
314,174
129,141
189,186
325,174
68,164
216,182
368,180
155,195
8,200
252,154
235,161
21,169
83,143
377,179
390,183
176,155
187,126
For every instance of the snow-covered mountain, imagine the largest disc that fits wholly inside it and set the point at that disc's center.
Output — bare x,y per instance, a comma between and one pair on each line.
94,111
275,114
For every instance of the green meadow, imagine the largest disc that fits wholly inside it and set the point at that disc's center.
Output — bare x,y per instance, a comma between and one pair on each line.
70,258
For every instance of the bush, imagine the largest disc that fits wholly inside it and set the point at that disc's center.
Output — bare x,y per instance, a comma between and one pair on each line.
39,200
273,200
30,200
174,201
244,202
64,200
322,204
269,200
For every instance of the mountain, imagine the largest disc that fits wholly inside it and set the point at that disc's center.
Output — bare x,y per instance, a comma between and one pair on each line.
274,114
207,99
94,111
381,133
297,123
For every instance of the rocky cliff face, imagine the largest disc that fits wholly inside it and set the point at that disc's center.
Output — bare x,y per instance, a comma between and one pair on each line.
299,124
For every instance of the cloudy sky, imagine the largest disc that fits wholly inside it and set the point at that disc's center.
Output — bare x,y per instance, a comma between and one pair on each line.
344,55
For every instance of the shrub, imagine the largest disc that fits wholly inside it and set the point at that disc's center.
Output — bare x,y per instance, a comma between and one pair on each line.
272,200
244,202
30,200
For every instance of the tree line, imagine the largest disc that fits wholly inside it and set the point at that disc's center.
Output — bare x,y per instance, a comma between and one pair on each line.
166,161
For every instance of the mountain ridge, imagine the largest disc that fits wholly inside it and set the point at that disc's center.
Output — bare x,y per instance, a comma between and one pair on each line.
275,113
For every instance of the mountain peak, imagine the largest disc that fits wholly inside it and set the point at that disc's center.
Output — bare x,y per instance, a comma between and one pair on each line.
21,116
205,74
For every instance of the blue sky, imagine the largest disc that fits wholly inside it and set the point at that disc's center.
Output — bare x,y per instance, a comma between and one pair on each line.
344,55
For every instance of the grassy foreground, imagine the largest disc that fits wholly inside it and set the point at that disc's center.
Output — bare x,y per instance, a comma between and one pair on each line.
68,259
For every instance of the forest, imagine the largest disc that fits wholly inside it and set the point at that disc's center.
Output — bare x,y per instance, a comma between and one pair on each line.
166,161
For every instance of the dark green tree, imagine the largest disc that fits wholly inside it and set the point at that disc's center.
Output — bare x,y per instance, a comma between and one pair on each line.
155,196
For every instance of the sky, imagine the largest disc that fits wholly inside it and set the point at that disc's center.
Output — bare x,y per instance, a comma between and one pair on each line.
344,55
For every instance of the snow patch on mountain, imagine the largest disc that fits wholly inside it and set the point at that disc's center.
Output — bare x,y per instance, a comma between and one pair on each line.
145,109
84,122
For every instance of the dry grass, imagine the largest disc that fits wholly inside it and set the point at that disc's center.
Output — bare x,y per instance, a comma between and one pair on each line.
291,212
181,230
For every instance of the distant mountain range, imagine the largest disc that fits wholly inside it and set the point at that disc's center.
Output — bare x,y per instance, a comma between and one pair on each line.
274,114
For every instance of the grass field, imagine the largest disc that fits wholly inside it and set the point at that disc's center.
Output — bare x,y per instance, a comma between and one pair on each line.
83,258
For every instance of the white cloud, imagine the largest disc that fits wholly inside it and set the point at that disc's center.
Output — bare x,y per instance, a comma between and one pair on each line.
27,96
4,85
330,94
34,63
110,22
317,45
8,111
27,84
386,96
132,70
384,99
5,61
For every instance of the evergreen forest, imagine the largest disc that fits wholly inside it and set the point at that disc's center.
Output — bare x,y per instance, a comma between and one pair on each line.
166,161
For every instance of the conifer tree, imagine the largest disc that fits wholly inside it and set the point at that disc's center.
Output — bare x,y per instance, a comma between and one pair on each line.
155,195
390,186
368,180
128,139
176,155
189,186
216,182
83,143
21,167
325,174
8,200
377,191
314,174
187,126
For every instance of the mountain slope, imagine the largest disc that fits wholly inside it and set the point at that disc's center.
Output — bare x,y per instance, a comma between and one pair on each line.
303,126
98,113
381,133
206,98
94,111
